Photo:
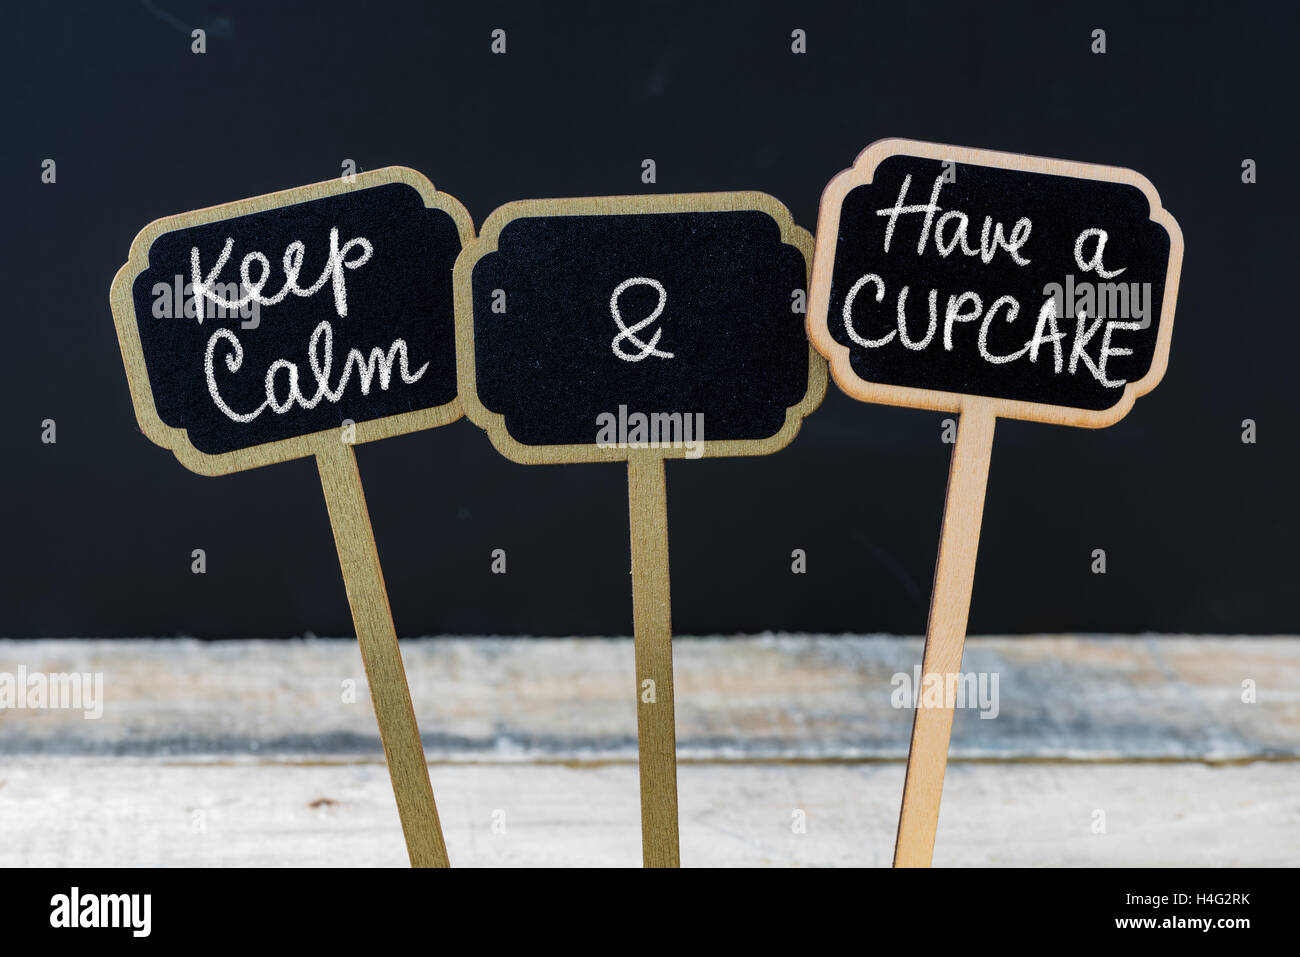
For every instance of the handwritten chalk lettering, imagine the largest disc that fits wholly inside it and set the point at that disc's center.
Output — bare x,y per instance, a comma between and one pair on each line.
651,303
992,237
1037,285
220,317
630,332
968,307
291,262
320,357
320,347
1097,252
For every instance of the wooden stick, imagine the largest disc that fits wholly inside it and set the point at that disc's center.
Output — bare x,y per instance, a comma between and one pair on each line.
373,620
945,634
652,617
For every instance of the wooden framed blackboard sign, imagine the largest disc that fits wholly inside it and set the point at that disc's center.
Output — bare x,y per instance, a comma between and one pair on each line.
253,331
986,284
637,329
1037,289
296,324
586,325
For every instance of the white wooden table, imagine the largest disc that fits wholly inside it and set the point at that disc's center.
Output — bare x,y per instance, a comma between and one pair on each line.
266,753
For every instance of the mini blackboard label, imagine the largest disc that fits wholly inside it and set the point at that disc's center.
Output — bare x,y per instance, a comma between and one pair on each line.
592,328
254,331
1042,286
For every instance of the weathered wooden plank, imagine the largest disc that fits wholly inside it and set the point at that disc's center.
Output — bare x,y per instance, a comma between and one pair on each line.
767,697
96,811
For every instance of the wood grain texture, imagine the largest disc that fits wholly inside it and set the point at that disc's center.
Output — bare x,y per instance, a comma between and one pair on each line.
79,811
652,617
377,638
954,574
244,753
799,699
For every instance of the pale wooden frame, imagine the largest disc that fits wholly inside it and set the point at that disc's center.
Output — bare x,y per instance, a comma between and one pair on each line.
828,226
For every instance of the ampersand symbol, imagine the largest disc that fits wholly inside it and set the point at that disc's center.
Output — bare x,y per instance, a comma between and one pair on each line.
630,332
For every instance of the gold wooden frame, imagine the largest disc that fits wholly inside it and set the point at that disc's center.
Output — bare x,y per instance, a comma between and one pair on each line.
282,450
494,422
344,497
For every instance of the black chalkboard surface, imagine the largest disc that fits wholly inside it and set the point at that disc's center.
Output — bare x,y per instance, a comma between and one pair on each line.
260,323
583,320
1041,283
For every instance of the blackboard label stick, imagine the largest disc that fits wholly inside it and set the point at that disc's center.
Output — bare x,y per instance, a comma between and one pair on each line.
637,329
945,635
653,631
1050,287
377,637
297,324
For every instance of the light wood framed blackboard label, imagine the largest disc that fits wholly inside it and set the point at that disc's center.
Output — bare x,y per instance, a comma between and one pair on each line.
253,331
580,321
987,284
1044,289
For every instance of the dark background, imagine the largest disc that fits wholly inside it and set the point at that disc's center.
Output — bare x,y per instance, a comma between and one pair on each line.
1199,529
